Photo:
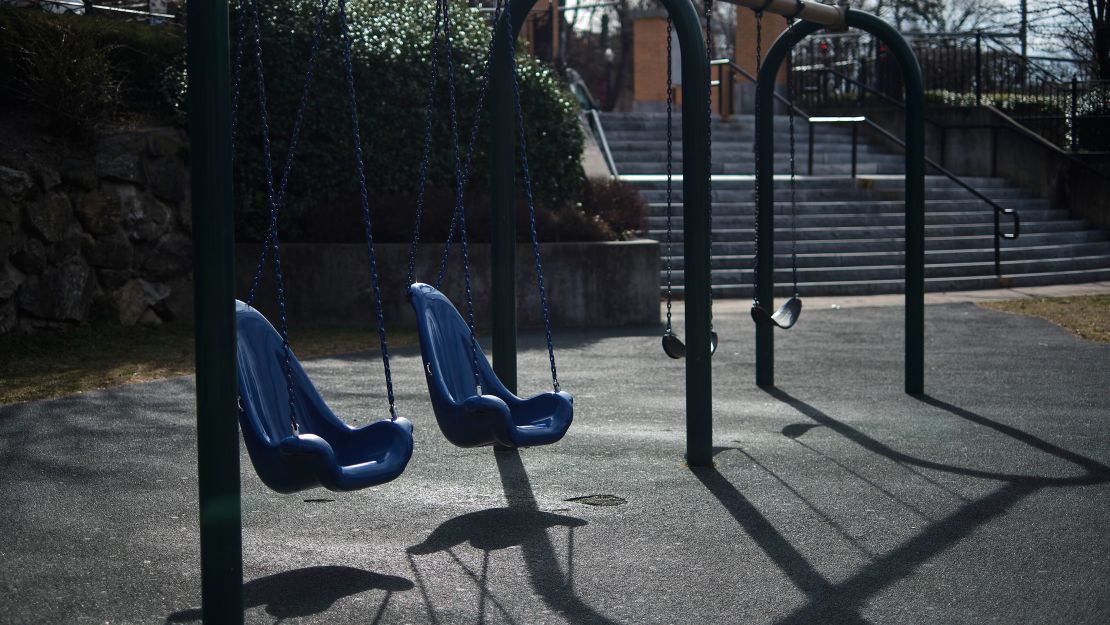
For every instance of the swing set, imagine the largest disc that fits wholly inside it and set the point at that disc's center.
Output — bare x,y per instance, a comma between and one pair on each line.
294,440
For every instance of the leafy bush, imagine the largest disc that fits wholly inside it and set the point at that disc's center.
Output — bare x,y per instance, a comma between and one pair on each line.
391,51
81,71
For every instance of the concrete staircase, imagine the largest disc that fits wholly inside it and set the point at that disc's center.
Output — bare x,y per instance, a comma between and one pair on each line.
849,233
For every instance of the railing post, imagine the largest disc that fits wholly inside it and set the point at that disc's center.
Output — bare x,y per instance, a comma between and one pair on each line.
997,244
979,68
809,170
1074,113
855,144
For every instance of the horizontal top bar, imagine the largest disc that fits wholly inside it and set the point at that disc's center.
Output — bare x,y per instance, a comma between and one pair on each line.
812,11
836,120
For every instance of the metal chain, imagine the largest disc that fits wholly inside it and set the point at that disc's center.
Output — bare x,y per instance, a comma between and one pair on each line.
287,167
474,126
425,151
367,224
758,167
670,166
709,140
283,325
793,198
527,178
459,212
237,71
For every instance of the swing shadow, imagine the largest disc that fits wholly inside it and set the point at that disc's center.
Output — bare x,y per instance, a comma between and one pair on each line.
843,601
308,591
520,524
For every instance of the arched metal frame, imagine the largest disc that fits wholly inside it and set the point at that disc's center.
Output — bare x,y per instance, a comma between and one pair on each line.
208,56
695,207
915,191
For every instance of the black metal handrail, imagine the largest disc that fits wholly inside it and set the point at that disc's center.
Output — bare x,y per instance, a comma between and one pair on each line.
1011,124
997,209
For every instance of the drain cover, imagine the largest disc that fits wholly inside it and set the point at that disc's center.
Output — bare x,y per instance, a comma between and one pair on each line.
599,500
319,500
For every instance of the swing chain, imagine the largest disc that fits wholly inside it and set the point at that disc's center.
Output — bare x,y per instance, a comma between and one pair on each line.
793,191
460,189
294,138
483,89
425,151
758,165
283,324
670,167
709,141
527,179
367,222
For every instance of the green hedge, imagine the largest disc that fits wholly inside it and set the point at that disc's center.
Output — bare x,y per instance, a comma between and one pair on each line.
81,71
391,41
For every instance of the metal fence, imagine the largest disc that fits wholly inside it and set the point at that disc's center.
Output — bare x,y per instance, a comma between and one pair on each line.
152,11
1051,96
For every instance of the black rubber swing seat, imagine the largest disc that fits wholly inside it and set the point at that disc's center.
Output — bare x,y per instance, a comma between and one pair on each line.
785,317
675,348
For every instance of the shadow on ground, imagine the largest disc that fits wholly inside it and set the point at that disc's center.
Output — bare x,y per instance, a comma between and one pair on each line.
311,590
842,602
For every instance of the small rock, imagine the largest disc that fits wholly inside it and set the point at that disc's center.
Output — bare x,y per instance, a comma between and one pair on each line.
10,279
81,174
172,257
8,241
185,212
166,177
48,178
52,217
165,142
111,251
9,212
136,298
14,183
60,294
179,305
101,211
150,318
113,279
68,249
145,218
8,316
31,256
120,157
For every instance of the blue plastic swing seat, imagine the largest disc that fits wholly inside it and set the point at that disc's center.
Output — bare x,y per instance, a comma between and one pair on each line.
467,418
326,452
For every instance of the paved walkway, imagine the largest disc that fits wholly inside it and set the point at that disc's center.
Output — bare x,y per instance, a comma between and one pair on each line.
835,499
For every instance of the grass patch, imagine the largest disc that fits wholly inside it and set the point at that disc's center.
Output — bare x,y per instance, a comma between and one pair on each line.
1087,316
48,365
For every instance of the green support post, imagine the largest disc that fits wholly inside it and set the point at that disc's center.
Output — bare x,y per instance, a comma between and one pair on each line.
503,204
695,191
915,190
210,159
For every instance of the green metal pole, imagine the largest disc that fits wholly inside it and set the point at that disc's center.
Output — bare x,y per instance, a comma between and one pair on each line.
915,192
221,553
695,231
695,190
915,189
503,201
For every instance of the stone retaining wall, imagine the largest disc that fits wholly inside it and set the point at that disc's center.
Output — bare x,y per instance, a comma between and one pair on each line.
99,232
588,284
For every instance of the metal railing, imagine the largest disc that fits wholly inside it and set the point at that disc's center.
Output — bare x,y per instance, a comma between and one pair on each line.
725,83
977,68
589,107
124,12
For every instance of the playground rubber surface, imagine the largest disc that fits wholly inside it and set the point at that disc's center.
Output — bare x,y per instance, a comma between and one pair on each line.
835,498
